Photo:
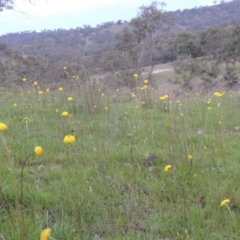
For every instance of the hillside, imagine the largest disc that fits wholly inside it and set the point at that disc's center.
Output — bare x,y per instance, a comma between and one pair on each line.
94,43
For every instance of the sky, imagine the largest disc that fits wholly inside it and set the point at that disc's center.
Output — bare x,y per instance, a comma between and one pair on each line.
54,14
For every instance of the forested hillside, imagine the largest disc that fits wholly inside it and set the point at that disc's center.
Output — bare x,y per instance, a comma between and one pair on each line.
154,37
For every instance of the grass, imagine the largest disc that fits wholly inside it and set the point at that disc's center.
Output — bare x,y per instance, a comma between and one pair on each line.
103,186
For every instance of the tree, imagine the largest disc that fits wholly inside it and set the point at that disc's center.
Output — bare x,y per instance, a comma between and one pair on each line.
142,37
188,46
6,5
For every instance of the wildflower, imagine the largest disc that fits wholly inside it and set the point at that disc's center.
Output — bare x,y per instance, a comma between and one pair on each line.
35,83
145,87
209,108
56,110
60,89
25,119
69,139
145,81
47,90
106,108
3,127
117,90
167,168
224,202
40,92
133,95
135,75
218,94
162,98
24,79
15,105
38,150
190,157
45,234
70,99
65,114
64,68
102,94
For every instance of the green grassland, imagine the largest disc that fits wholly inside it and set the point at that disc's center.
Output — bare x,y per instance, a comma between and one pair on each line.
111,183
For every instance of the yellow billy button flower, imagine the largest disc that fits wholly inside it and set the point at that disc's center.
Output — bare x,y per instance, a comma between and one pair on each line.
69,139
167,168
3,127
145,81
70,99
45,234
65,114
47,90
15,105
24,79
190,157
35,83
40,92
25,119
135,75
38,150
224,202
60,89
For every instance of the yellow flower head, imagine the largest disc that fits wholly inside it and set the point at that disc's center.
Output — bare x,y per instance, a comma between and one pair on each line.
3,127
38,150
15,105
25,119
70,99
64,68
69,139
135,75
47,90
133,95
190,157
65,114
45,234
24,79
145,81
40,92
60,89
224,202
35,83
167,168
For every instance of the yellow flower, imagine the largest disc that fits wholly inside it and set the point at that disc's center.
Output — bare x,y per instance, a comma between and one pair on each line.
65,114
45,234
133,95
25,119
38,150
60,89
69,139
209,108
56,110
24,79
162,98
190,157
167,168
145,81
3,127
35,83
40,92
166,96
47,90
65,68
70,99
102,94
224,202
15,105
135,75
106,108
145,87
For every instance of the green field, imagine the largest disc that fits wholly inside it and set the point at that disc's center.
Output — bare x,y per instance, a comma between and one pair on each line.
111,183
